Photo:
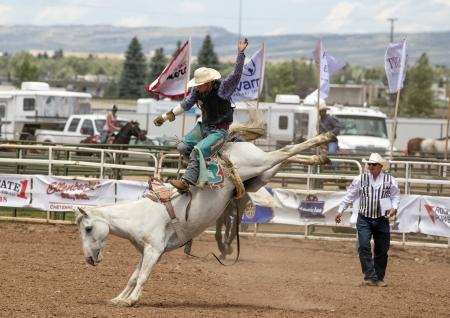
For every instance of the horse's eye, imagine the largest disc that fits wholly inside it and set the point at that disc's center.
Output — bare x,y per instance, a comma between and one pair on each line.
88,229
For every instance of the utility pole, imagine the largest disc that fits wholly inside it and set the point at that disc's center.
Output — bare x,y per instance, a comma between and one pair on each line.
392,20
240,20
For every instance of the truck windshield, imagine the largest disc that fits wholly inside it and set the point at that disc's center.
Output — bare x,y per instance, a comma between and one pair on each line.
363,126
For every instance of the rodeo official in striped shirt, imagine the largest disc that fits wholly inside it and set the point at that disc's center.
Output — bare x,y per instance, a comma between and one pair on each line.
379,198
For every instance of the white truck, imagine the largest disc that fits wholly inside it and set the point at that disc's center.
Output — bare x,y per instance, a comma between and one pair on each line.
77,128
36,106
288,121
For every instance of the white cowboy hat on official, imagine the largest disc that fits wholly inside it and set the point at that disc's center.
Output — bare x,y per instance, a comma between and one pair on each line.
203,75
377,158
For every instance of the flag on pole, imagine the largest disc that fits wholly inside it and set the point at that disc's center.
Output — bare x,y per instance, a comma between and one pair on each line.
395,61
172,81
252,78
328,66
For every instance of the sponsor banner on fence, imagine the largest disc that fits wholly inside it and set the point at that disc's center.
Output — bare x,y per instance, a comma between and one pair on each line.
302,208
130,190
62,194
15,191
434,216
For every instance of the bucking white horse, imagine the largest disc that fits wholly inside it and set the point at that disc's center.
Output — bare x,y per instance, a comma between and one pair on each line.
150,229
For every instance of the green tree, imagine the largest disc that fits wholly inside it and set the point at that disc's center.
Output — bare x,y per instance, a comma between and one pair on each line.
157,64
177,48
133,78
25,71
206,56
419,96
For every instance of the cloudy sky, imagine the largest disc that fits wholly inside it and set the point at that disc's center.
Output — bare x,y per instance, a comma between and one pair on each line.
259,17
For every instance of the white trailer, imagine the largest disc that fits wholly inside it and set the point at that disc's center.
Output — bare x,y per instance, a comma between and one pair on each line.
36,106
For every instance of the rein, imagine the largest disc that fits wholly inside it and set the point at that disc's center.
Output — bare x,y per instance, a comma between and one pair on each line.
238,245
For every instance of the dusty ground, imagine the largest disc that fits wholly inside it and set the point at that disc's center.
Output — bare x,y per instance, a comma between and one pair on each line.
43,274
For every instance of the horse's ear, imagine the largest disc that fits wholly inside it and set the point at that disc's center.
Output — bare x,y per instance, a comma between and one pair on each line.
79,214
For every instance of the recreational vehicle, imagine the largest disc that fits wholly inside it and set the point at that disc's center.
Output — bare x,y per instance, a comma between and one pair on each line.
36,106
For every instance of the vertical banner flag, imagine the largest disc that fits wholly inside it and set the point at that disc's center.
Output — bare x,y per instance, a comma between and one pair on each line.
252,74
395,61
328,66
172,81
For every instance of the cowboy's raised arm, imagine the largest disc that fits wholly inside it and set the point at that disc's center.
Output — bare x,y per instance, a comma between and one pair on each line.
228,85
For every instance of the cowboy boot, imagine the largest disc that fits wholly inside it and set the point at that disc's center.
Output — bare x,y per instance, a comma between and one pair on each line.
181,184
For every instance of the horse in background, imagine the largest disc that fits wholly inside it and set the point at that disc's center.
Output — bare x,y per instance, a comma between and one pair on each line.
122,137
426,146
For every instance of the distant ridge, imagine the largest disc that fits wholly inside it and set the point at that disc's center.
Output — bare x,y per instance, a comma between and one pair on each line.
356,49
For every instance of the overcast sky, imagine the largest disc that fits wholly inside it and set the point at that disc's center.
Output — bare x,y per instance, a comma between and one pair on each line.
259,17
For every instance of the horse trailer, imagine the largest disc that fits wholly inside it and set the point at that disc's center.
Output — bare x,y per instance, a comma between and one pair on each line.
36,106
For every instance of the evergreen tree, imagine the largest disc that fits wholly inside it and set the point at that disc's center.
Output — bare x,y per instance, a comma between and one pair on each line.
206,56
58,54
178,47
419,96
157,64
25,71
133,78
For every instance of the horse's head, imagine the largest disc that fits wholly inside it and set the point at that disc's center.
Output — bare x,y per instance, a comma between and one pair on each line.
136,131
94,232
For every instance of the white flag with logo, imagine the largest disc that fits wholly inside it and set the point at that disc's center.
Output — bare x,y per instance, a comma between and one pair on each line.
252,74
328,66
172,81
395,61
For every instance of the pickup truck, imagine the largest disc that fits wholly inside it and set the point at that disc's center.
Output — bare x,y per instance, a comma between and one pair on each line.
77,128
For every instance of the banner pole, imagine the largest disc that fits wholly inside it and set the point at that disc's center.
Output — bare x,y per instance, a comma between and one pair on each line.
186,79
448,120
394,125
319,60
263,52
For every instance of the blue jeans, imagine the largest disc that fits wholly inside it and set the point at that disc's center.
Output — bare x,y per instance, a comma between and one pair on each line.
373,268
332,149
208,139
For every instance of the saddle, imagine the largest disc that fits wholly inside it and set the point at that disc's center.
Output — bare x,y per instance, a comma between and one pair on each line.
160,193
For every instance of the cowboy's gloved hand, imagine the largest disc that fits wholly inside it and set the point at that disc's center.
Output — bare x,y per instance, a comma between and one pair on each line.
170,116
158,121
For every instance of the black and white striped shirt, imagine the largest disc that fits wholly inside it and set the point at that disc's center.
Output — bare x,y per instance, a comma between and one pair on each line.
370,191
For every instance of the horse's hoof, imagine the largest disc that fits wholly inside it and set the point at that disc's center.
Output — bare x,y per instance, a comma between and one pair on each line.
123,302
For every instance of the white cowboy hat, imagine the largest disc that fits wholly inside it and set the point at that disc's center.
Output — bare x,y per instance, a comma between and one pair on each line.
376,158
323,105
203,75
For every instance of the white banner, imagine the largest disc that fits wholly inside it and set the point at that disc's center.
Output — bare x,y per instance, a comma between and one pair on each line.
130,190
252,74
395,60
173,79
328,66
15,191
62,194
434,218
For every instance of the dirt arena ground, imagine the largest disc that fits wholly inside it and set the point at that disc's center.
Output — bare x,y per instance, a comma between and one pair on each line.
43,274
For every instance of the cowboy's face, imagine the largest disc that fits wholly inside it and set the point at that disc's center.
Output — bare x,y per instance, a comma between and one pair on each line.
204,88
374,168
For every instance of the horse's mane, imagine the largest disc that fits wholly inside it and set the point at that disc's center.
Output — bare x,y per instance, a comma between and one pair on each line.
254,128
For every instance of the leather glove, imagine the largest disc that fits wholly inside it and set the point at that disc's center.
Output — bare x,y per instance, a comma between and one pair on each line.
158,121
391,213
338,217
